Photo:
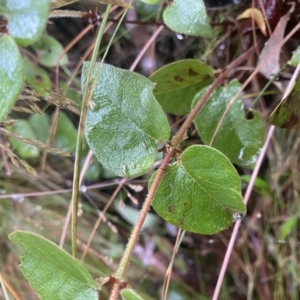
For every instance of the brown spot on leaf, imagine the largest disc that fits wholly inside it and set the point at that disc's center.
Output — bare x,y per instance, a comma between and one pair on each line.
181,222
178,78
185,203
294,120
39,78
249,115
171,209
192,72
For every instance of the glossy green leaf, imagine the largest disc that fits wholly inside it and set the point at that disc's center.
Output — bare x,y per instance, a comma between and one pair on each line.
178,83
125,121
66,134
53,273
287,112
37,78
129,294
11,74
26,19
240,137
49,50
201,193
24,129
188,17
294,61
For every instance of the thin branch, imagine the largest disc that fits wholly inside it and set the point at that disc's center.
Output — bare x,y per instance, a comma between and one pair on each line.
120,273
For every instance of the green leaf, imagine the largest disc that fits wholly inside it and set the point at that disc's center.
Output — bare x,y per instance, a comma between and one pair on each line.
261,187
178,83
294,61
52,272
151,2
94,171
131,215
126,121
24,129
287,227
49,51
37,78
240,137
11,74
188,17
129,294
201,193
66,134
26,19
287,112
40,126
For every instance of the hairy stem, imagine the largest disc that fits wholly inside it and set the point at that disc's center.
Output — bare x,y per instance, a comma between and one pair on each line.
120,273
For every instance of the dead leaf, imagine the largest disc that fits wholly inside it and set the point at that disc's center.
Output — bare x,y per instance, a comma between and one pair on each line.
258,17
272,65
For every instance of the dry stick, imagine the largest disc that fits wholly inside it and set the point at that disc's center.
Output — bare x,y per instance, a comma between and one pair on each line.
88,51
100,218
187,123
266,19
67,49
8,172
52,130
248,192
145,48
170,267
53,126
250,78
57,192
6,284
237,224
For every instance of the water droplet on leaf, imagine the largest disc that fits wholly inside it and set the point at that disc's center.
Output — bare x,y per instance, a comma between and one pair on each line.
238,216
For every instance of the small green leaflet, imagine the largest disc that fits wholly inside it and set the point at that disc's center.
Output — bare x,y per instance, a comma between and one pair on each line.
188,17
201,193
